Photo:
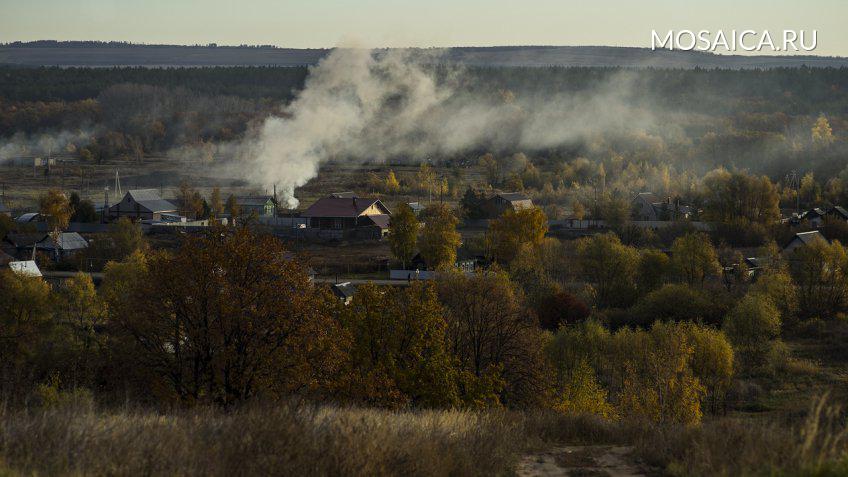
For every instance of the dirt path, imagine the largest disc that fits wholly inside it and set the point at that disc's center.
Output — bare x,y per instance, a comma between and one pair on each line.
613,461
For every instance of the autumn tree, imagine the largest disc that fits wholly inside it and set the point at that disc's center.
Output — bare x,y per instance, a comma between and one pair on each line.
820,271
25,324
56,207
821,132
694,258
561,308
652,270
126,237
729,196
403,233
492,168
81,316
657,378
216,203
753,326
227,317
232,207
439,239
610,267
399,353
493,337
515,228
392,186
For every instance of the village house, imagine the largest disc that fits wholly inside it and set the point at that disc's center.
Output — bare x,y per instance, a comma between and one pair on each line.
62,246
503,201
802,239
815,217
261,205
646,206
65,245
359,216
343,291
142,204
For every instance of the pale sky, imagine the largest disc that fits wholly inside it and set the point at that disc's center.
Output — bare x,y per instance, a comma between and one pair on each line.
325,23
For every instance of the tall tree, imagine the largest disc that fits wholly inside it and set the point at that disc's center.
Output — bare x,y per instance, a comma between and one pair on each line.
399,352
439,240
694,258
516,228
610,267
228,317
216,203
57,208
403,233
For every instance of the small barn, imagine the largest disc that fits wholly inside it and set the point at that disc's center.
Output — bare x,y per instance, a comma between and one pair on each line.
344,291
142,204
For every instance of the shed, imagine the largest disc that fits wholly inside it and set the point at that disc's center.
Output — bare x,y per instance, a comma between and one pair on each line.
142,204
344,291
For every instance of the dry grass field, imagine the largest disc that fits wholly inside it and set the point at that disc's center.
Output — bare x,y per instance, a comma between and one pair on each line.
72,438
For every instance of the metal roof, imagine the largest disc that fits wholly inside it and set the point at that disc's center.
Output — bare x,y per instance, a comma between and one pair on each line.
151,200
380,220
254,200
65,241
341,207
28,217
810,237
344,289
27,267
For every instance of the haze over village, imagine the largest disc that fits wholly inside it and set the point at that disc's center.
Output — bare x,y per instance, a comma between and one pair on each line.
307,239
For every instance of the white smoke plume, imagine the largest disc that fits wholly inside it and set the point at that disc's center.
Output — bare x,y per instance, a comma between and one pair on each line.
364,105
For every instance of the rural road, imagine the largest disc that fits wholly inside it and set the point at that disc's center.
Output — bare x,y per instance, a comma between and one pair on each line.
612,461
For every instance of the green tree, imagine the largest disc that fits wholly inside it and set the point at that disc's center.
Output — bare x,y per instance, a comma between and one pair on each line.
610,267
80,313
820,270
652,270
403,233
83,209
514,229
126,237
439,239
752,326
694,258
25,324
399,351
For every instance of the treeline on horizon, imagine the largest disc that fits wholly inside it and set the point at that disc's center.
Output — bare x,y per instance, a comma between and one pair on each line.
790,90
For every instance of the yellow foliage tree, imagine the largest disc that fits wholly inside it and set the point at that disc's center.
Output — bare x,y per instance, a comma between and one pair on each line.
516,228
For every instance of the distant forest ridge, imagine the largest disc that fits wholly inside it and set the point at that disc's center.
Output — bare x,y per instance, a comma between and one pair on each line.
105,54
